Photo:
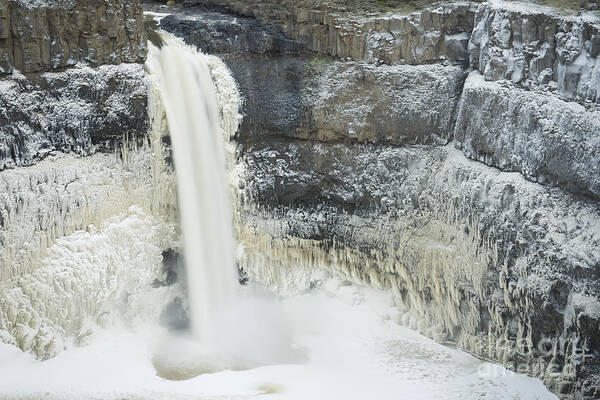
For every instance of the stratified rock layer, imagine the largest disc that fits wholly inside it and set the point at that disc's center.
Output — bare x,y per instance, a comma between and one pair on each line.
362,154
385,104
537,47
432,35
40,36
543,137
289,92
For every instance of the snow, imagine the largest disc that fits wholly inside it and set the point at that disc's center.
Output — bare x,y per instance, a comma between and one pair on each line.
156,16
354,350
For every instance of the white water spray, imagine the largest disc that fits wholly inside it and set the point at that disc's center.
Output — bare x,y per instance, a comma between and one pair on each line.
189,97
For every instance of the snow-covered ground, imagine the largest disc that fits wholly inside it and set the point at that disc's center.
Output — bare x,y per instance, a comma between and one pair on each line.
354,351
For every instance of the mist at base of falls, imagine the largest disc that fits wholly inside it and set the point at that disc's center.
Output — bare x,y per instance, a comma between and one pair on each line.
254,331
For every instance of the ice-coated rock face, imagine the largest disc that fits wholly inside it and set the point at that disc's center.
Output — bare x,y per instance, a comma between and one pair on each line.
81,110
301,96
87,279
81,234
481,217
320,99
543,137
218,33
475,256
385,104
59,196
40,36
81,242
537,47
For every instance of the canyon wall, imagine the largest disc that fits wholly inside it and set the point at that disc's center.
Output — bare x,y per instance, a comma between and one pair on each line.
85,200
37,36
448,155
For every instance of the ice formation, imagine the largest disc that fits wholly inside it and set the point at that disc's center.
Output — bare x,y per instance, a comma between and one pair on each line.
356,352
87,278
55,289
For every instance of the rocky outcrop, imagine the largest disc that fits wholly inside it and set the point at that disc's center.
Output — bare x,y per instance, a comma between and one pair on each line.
527,44
542,137
48,35
90,106
537,47
380,104
301,96
81,110
218,33
324,100
431,35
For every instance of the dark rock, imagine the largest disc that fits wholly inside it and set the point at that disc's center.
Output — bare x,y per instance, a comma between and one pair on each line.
43,36
315,98
426,36
175,316
218,33
173,269
81,110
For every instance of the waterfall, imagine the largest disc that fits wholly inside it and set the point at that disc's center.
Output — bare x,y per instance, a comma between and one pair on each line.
190,102
232,327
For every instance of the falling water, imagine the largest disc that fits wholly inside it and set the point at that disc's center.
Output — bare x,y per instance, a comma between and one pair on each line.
189,98
233,327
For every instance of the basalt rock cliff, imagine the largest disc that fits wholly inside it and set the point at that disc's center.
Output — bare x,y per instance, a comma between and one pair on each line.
448,154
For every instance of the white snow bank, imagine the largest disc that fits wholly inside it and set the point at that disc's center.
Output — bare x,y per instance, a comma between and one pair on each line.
355,352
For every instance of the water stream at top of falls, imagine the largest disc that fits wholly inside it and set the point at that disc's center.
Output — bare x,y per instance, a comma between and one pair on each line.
190,101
